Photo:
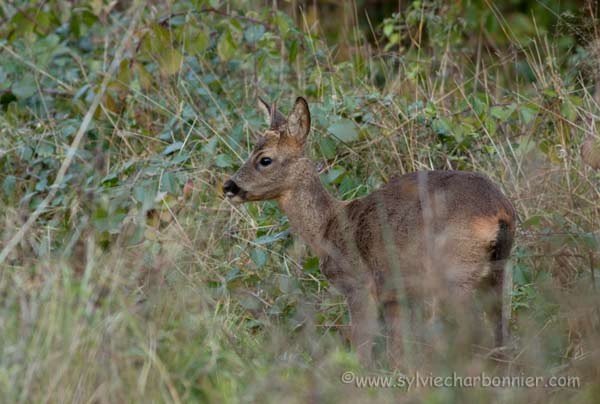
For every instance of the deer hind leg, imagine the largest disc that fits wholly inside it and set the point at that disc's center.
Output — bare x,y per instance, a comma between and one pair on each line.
363,317
460,314
478,291
394,300
393,318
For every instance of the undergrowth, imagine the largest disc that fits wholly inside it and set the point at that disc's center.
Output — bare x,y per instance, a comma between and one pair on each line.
136,281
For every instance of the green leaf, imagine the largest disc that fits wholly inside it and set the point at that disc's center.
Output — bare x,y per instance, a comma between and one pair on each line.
170,61
490,125
250,302
497,112
9,184
293,51
442,126
223,161
226,47
168,183
568,110
143,76
333,176
254,33
41,185
25,153
592,241
259,257
345,130
281,19
349,185
532,221
45,149
137,236
311,264
287,284
550,93
503,113
68,130
388,29
271,238
145,194
527,113
4,82
111,180
25,87
233,274
195,41
210,147
328,147
172,148
392,40
521,274
479,106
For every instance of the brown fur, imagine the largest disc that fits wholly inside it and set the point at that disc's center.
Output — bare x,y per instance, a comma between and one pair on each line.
424,236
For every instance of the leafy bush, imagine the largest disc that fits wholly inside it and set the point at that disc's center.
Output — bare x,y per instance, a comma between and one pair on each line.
139,282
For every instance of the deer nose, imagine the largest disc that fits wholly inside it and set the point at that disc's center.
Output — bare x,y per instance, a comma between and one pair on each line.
230,188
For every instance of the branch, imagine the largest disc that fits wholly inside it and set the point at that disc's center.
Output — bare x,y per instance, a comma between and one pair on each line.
164,20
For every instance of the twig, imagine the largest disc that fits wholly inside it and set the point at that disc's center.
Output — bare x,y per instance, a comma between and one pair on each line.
16,239
592,269
215,11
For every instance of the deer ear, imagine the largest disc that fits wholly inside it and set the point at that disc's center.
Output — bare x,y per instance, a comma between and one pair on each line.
275,118
299,121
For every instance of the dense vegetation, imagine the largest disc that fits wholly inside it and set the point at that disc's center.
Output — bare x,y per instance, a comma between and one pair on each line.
125,276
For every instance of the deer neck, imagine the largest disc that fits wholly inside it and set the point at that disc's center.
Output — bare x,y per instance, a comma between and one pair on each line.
310,208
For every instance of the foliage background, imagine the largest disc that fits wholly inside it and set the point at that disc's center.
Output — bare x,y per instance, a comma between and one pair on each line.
139,282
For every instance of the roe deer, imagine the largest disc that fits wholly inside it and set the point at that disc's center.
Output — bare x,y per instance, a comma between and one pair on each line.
423,235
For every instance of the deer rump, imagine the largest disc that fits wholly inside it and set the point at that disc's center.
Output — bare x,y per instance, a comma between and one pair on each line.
424,235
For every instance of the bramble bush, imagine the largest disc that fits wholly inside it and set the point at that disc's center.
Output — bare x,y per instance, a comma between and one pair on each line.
139,282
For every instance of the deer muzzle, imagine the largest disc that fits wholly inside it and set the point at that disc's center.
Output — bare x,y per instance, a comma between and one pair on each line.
233,192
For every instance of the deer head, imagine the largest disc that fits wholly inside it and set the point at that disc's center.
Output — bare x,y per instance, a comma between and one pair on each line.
278,160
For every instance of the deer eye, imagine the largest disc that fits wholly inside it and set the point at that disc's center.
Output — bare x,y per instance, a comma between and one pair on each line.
265,161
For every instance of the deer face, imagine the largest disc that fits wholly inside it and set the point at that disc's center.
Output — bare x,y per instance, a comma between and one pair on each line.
273,166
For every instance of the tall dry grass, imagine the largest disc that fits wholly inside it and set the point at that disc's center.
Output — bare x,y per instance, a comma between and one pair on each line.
122,295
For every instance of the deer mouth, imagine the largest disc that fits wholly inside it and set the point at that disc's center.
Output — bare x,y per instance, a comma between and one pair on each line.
240,196
233,192
236,198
